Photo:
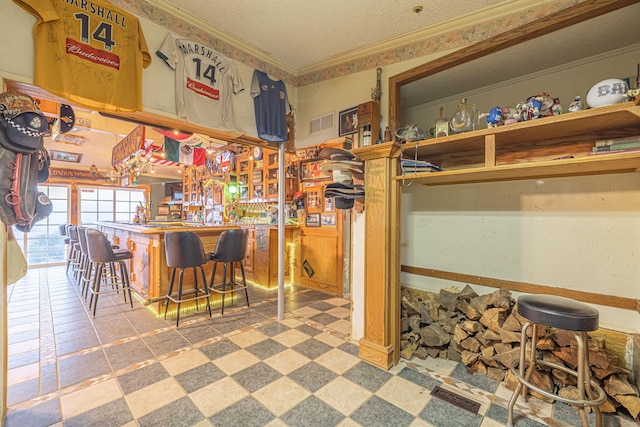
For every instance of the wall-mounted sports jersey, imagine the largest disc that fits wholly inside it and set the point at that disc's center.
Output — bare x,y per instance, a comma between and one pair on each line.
271,106
89,52
205,81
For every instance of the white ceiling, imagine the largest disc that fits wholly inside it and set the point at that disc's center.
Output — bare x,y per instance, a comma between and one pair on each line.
301,35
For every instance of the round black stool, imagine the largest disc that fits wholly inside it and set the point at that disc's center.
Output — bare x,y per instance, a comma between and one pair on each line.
184,249
560,313
231,248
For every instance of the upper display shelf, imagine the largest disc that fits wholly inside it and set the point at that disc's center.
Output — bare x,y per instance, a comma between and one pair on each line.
547,147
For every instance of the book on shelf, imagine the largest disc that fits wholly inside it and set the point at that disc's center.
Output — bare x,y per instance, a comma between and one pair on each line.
615,141
621,151
613,147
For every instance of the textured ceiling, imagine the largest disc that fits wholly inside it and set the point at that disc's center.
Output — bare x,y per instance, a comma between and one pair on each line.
302,34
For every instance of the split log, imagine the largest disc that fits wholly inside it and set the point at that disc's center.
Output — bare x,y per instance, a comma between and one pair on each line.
467,293
512,324
448,298
459,334
472,326
631,404
471,344
434,336
468,310
493,318
618,384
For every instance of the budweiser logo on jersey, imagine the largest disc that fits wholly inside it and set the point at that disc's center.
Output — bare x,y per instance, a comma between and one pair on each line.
92,54
203,89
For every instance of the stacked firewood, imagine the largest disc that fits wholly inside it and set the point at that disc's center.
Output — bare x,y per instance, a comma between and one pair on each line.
483,332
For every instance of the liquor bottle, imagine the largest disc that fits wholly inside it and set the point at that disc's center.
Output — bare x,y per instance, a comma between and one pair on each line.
442,129
464,118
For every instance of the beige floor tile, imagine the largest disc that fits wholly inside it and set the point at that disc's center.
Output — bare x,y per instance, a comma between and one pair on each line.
538,406
306,312
155,396
276,423
340,312
441,366
236,361
23,373
287,361
291,322
281,395
203,423
89,398
248,338
348,422
291,337
405,395
329,339
422,423
337,360
184,362
23,346
343,395
336,301
343,326
488,422
217,396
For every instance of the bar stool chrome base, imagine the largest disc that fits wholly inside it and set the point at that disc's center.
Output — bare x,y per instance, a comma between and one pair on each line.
561,313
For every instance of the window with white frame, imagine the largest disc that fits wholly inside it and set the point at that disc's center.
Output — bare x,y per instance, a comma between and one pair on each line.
109,204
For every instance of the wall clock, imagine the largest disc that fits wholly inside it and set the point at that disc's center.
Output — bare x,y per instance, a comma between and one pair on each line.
257,153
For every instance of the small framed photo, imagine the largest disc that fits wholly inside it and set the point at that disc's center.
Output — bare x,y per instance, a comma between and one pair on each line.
328,219
312,220
65,156
348,120
163,210
310,170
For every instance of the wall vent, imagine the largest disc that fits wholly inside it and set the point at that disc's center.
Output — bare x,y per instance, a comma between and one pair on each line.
321,123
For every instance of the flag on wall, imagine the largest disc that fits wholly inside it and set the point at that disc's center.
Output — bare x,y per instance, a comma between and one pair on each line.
177,151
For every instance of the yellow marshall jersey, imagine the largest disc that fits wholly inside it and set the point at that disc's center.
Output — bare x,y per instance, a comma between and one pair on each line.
89,52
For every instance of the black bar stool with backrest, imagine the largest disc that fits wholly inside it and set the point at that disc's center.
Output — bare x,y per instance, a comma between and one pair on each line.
83,255
102,255
74,247
184,249
86,267
231,248
560,313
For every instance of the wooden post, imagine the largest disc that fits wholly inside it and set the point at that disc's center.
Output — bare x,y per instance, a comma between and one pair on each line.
380,345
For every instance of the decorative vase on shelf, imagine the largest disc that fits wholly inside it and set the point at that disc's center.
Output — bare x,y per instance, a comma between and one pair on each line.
464,118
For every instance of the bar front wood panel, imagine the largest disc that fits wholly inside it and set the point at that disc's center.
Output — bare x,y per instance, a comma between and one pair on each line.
148,269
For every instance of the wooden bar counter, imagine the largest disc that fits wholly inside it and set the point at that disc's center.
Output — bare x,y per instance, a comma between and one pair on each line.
148,269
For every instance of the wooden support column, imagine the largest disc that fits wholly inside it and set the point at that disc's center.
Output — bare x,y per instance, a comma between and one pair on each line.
380,345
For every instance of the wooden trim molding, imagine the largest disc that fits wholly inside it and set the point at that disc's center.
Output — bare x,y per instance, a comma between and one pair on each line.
530,288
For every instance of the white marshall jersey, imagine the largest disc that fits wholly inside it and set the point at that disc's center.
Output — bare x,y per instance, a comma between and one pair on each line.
205,81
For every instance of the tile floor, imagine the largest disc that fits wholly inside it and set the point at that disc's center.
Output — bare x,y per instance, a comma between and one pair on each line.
133,368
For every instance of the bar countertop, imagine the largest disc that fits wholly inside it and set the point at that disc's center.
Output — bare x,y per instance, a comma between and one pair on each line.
161,227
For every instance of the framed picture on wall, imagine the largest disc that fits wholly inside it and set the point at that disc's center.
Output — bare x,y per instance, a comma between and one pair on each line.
348,120
163,210
310,170
328,219
312,220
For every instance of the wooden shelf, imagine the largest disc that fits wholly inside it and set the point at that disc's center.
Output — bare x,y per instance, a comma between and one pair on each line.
532,149
591,165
